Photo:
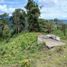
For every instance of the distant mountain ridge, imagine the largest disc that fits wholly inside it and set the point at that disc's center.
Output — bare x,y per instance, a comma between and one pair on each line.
64,21
59,20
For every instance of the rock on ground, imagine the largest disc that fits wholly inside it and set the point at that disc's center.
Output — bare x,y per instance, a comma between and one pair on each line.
50,40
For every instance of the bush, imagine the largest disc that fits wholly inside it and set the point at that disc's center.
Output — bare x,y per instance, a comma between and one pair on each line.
6,32
26,63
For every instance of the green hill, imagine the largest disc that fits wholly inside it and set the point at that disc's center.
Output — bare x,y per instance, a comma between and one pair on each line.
14,50
24,51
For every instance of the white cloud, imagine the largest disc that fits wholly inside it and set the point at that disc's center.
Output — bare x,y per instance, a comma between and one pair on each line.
54,9
50,9
6,9
48,1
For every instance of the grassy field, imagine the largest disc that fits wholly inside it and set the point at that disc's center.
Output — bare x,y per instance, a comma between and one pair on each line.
23,51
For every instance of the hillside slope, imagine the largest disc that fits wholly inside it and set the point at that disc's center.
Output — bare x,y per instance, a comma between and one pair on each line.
23,50
14,50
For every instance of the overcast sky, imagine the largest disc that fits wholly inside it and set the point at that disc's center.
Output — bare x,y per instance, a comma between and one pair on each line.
50,8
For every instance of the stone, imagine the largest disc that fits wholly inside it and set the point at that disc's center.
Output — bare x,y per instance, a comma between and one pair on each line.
53,37
50,40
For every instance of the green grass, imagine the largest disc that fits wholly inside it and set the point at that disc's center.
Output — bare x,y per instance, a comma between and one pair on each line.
60,34
23,50
13,51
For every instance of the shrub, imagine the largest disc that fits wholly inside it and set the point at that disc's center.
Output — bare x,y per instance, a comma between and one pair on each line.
26,63
6,32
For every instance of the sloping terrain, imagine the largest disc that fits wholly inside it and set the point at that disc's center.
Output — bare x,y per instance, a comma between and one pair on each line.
14,50
23,51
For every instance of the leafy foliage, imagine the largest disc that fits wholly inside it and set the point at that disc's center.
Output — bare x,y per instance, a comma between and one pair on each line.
19,20
33,14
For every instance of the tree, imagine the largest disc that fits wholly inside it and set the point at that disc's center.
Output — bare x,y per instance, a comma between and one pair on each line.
3,18
33,14
1,28
3,22
19,19
64,29
6,32
56,22
49,27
